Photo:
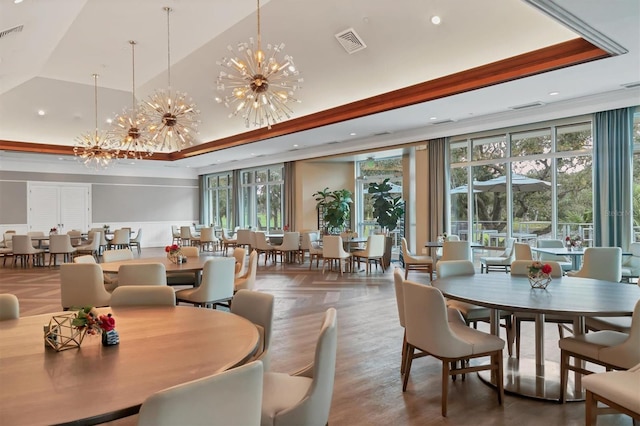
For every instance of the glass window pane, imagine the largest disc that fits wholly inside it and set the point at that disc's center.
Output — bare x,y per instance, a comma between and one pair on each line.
458,152
531,142
490,201
574,137
275,207
531,196
262,176
489,148
575,198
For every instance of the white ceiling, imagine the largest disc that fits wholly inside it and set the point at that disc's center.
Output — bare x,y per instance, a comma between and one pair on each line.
48,66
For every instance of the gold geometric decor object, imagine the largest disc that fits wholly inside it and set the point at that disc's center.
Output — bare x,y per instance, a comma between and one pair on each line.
61,334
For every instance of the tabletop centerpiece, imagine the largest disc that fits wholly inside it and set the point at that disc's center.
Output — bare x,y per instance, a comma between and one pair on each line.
91,322
539,275
67,331
174,253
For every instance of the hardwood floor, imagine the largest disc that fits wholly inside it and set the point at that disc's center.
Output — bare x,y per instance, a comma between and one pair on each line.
368,388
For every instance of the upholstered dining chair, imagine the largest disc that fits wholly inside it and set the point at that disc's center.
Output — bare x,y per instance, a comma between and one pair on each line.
76,237
60,244
142,274
175,235
247,280
143,295
233,397
24,251
332,250
307,239
243,238
290,247
617,389
522,251
608,348
304,398
227,241
117,255
208,239
415,262
257,307
564,262
451,342
216,285
81,284
110,280
500,262
240,255
455,250
453,237
92,246
135,241
601,263
373,252
263,246
9,307
121,239
631,264
314,247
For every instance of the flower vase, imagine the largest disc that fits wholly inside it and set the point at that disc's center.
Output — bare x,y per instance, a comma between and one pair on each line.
175,258
539,281
110,338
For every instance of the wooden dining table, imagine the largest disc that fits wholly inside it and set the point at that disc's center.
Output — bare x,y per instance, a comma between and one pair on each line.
159,347
567,296
193,264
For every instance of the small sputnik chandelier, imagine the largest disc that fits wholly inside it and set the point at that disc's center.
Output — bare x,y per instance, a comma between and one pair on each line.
172,115
130,129
93,149
261,86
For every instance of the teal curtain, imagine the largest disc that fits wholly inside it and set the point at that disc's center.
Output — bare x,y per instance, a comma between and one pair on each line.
613,177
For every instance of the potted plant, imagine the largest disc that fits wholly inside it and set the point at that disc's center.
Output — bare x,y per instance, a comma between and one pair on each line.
388,210
335,207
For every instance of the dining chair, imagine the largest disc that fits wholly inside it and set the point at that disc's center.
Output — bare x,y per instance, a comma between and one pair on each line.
208,240
24,251
307,237
415,262
216,285
240,255
175,235
187,238
631,264
601,263
121,239
247,280
439,250
40,244
608,348
92,246
81,284
429,330
117,255
9,307
500,262
522,251
564,262
617,389
304,398
311,244
290,247
185,278
232,397
104,243
455,250
110,280
60,244
243,238
333,250
257,307
263,246
373,252
143,295
227,241
76,237
154,274
135,241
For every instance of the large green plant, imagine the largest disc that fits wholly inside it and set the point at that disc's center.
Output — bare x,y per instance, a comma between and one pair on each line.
336,206
387,209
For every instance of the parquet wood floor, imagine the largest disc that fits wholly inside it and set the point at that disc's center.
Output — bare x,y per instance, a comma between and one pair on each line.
368,389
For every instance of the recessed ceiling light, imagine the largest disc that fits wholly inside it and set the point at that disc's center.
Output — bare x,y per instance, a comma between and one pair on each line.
433,118
253,153
41,112
352,134
553,93
109,121
435,20
17,1
295,145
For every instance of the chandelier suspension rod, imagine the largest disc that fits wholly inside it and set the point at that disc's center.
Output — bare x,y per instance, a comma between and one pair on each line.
168,9
95,97
259,38
133,79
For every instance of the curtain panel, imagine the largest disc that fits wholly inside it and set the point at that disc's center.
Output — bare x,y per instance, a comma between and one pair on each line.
438,204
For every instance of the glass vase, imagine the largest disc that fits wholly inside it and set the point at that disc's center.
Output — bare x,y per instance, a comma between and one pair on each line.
110,338
539,281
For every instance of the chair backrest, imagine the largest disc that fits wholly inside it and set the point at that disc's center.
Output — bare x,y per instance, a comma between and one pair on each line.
627,354
121,236
190,251
332,247
456,250
243,236
143,295
217,280
142,274
9,307
633,262
426,322
60,243
602,263
509,251
398,278
138,238
84,259
290,241
175,231
248,280
405,248
521,267
308,238
94,241
375,245
239,254
207,235
82,284
117,255
453,268
257,307
22,244
261,241
185,232
8,239
233,397
76,237
550,243
522,251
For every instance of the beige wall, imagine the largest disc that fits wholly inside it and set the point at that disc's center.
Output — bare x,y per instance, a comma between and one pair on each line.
316,176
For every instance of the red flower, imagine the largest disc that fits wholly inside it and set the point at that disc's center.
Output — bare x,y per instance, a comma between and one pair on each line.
107,322
546,268
568,238
172,248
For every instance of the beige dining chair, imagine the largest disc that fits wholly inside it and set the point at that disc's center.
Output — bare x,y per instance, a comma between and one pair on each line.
304,398
429,330
522,251
455,250
232,397
175,235
333,251
240,255
60,245
601,263
564,262
92,246
373,252
247,281
618,390
243,238
258,308
117,255
136,241
154,274
110,280
81,284
187,238
311,243
143,295
208,240
121,239
307,238
415,262
9,307
500,262
216,285
289,249
263,246
24,251
227,241
631,264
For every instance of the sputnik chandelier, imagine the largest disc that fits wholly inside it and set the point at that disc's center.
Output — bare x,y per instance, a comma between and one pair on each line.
172,115
93,148
261,86
130,129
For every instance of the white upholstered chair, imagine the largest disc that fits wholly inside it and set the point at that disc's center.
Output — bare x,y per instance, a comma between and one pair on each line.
263,246
290,247
304,398
110,280
522,251
175,235
135,241
216,286
311,244
500,262
142,274
247,280
373,252
619,390
60,244
601,263
9,307
208,239
82,284
187,238
117,255
143,295
332,250
307,240
227,241
233,397
24,251
455,250
451,342
631,264
121,239
92,245
76,237
415,262
564,262
243,238
240,255
611,349
257,307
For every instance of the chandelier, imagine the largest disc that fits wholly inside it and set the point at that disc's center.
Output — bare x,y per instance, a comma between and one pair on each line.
260,85
130,129
172,115
93,148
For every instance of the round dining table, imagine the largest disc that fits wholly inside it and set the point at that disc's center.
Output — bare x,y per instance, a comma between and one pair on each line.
159,347
193,264
568,296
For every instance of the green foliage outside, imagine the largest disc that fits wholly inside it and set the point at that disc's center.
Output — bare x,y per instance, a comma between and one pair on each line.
387,209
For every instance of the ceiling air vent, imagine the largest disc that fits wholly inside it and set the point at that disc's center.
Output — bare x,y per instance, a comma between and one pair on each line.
631,85
381,133
526,106
350,40
448,120
11,31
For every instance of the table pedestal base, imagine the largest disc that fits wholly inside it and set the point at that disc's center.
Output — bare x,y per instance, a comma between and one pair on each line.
524,378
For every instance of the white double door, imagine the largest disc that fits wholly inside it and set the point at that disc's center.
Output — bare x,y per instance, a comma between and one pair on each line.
60,205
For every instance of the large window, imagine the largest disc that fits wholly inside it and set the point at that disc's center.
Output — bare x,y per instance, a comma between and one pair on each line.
262,203
219,200
636,176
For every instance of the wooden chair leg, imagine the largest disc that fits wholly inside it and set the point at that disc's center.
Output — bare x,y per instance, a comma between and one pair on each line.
591,410
445,387
564,375
408,359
